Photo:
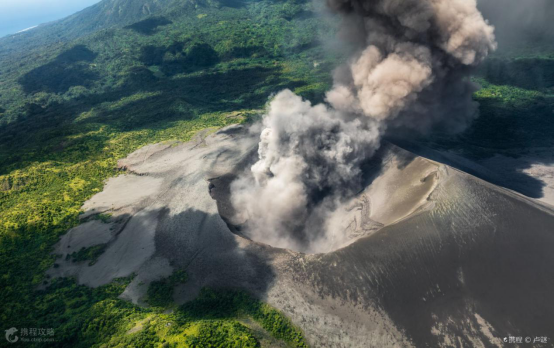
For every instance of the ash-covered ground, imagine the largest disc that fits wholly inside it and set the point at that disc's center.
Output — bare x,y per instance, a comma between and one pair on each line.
428,255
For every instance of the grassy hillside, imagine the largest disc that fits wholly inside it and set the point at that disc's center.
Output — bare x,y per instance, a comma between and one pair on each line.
103,15
516,106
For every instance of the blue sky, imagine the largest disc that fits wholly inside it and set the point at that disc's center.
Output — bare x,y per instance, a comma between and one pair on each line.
16,15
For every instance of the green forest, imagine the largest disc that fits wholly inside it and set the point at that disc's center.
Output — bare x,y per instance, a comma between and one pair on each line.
70,110
75,100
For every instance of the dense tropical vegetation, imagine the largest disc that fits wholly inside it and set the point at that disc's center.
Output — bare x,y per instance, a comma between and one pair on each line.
79,94
71,109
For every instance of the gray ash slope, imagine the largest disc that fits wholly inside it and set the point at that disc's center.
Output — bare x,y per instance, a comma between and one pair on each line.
454,260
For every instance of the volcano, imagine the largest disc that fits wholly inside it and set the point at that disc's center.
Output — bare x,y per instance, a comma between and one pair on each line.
430,255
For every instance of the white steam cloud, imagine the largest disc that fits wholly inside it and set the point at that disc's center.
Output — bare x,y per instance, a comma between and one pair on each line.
410,73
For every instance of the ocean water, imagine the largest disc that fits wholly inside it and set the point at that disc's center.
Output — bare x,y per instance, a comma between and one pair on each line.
18,15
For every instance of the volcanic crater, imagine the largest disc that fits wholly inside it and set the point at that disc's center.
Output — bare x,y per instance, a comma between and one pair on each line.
427,255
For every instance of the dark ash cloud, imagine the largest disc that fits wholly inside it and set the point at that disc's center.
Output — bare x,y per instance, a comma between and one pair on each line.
409,71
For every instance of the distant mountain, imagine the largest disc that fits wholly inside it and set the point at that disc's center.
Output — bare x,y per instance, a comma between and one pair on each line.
103,15
93,49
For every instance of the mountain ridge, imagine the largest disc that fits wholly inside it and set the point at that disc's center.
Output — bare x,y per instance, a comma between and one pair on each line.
105,14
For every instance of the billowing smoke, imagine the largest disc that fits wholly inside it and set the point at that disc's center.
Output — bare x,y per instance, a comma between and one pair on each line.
409,73
309,157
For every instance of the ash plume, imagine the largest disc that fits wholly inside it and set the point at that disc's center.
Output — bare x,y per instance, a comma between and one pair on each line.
410,73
